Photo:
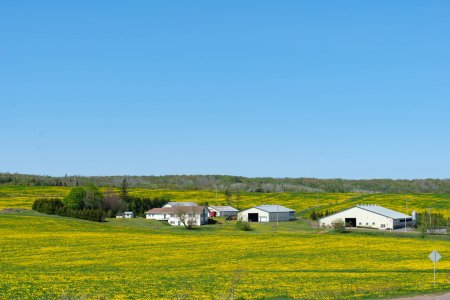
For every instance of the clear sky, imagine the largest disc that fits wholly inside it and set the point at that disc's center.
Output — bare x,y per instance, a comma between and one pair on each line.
349,89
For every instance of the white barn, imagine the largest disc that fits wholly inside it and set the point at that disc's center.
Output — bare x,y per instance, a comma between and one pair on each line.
196,215
223,211
267,213
369,216
174,204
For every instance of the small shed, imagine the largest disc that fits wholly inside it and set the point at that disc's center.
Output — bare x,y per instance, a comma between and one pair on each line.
222,211
128,215
267,213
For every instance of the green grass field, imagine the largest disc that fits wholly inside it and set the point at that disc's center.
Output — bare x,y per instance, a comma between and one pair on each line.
51,257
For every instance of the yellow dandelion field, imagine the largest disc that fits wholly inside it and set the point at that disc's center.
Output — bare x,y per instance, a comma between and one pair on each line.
50,257
23,197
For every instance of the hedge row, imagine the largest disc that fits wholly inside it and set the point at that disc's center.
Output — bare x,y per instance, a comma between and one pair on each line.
54,206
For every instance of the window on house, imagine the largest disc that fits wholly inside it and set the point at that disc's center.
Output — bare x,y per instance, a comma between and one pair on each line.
382,225
373,223
359,223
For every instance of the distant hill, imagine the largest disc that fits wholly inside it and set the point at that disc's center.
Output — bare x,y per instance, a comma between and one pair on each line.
239,183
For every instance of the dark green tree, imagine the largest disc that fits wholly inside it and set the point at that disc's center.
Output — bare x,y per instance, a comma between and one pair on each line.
93,198
124,191
75,199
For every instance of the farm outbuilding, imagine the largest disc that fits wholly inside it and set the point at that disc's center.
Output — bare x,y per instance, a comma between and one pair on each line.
370,216
128,214
174,204
222,211
267,213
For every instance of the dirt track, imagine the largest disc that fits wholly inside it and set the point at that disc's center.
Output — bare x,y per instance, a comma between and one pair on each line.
427,297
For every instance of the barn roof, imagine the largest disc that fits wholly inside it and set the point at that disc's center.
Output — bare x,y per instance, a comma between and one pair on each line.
182,203
172,210
224,208
273,208
383,211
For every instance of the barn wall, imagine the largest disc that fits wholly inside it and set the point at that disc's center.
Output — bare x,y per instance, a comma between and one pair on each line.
363,217
243,215
264,216
282,217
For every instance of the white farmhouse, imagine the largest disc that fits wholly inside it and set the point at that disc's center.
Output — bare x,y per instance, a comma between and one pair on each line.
371,216
176,216
163,213
173,204
267,213
222,211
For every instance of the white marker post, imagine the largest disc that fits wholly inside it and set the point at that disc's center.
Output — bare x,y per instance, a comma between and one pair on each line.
435,257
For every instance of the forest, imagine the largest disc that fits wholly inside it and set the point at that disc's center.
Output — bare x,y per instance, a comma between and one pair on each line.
238,183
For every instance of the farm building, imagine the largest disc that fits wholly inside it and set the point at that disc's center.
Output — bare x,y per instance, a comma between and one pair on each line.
128,215
267,213
222,211
162,213
372,216
196,215
173,204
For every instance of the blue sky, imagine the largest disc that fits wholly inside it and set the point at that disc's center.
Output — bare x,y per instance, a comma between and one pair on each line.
349,89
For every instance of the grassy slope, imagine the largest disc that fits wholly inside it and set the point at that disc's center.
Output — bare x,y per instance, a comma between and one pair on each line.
23,197
50,256
418,202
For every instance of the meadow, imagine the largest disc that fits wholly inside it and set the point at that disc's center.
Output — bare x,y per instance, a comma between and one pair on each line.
23,197
51,257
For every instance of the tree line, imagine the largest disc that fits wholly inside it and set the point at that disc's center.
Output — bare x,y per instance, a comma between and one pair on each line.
88,202
238,183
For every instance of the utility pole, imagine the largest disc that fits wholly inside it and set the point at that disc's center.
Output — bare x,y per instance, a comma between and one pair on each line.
317,217
216,196
429,212
406,210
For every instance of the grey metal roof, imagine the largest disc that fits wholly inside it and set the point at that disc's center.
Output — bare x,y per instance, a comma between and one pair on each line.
383,211
182,203
224,208
273,208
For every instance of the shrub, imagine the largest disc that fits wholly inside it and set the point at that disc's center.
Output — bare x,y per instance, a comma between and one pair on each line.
48,206
212,221
55,206
338,226
244,226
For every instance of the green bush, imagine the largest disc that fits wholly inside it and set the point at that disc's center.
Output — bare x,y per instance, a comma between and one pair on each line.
48,206
55,206
244,226
339,226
